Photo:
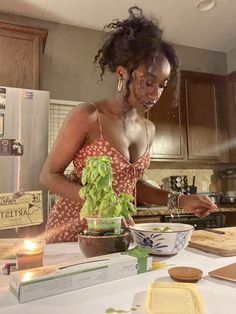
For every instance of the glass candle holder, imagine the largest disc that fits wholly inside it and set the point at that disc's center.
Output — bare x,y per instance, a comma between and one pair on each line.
30,254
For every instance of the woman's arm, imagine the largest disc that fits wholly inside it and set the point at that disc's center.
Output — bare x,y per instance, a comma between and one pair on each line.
150,194
199,205
70,140
147,193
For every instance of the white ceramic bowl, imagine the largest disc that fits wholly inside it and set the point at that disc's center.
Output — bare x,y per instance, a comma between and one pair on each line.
160,242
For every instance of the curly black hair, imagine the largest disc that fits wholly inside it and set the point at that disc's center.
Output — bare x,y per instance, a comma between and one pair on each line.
133,41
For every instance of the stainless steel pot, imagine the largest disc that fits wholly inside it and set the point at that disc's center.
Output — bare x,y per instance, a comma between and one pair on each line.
215,197
227,183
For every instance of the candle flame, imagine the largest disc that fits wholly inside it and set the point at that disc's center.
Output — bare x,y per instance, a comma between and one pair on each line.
29,245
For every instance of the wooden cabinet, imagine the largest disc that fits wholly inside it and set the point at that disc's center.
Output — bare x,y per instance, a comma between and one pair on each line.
20,51
203,119
167,115
230,108
192,130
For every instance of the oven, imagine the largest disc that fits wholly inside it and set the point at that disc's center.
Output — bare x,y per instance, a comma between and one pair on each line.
212,221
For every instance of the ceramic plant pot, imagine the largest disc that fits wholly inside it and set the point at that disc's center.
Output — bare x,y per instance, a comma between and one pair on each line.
102,226
100,245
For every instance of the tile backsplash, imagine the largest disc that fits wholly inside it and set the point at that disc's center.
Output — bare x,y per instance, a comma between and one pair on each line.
203,177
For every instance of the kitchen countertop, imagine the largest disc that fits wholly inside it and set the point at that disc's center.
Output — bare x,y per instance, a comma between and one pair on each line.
163,210
218,295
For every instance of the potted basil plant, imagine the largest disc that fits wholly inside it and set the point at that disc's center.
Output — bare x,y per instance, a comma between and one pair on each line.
102,207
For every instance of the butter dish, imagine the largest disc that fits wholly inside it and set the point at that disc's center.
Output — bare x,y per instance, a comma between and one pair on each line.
172,298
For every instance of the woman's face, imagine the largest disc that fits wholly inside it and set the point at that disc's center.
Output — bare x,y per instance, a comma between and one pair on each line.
148,84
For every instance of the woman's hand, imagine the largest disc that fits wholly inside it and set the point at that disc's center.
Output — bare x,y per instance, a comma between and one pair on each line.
127,223
200,206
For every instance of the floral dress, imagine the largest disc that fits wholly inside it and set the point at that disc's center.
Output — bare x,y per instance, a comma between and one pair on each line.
64,222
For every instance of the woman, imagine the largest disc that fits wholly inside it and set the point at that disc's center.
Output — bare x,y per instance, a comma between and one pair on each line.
143,63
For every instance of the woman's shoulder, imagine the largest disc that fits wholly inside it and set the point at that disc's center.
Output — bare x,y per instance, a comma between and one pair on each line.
84,110
85,107
90,107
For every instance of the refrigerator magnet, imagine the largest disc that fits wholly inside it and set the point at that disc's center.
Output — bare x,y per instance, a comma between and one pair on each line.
5,147
17,148
2,98
2,102
1,124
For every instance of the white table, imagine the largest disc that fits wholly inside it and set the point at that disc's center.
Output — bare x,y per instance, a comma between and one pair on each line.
219,296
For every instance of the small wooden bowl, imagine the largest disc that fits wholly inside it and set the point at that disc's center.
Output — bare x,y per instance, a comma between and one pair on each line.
185,274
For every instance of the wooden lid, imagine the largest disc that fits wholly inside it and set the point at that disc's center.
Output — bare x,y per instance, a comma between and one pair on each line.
185,274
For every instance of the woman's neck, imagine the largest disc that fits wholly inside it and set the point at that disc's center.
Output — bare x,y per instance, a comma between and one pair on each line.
120,107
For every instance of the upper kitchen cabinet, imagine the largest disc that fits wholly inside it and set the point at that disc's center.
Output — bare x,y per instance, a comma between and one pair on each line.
204,121
231,113
167,115
191,130
21,48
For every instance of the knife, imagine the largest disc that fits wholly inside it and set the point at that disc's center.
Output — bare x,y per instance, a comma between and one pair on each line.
214,231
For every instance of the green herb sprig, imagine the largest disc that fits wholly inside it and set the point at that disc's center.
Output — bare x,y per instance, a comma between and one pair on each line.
97,191
162,229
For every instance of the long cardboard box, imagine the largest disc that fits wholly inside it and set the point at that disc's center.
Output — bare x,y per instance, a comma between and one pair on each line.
46,281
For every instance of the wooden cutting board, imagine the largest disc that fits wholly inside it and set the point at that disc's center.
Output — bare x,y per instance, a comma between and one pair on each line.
223,245
227,272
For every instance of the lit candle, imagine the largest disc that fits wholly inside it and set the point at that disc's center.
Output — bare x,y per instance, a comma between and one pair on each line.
30,255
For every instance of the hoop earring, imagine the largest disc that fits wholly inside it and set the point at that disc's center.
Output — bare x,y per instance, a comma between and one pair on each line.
119,85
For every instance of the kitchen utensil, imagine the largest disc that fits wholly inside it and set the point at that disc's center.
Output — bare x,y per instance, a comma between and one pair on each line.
193,188
227,200
227,272
215,197
227,185
214,231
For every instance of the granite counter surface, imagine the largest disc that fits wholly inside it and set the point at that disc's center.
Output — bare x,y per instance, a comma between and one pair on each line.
163,210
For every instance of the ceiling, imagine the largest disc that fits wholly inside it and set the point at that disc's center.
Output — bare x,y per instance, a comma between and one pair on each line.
182,23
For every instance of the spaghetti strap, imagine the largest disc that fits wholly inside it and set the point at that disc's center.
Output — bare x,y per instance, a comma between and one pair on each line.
99,120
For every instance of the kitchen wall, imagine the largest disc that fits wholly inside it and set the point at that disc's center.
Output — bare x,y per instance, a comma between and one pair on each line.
203,177
67,65
202,60
67,71
231,60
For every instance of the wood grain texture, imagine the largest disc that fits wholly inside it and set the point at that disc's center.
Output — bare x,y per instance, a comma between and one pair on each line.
202,119
227,272
20,55
223,245
192,127
169,141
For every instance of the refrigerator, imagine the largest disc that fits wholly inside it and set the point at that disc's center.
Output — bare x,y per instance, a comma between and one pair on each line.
23,150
